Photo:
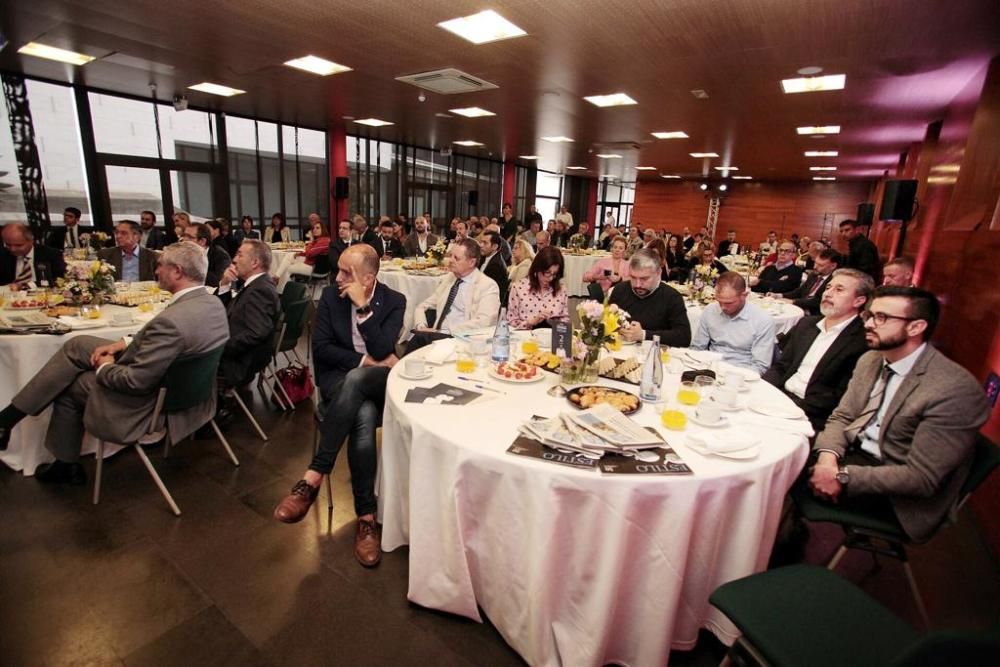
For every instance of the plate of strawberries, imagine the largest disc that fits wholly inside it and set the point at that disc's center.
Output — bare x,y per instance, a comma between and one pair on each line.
516,371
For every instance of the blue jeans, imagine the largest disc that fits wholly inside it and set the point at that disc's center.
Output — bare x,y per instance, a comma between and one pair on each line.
353,407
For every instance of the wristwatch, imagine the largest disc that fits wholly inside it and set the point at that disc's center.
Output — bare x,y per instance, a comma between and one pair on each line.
843,476
363,310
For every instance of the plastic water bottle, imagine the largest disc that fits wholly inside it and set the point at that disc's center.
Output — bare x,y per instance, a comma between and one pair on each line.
501,339
651,379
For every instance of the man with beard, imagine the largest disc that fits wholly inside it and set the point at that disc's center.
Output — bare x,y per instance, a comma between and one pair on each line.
417,243
820,352
901,440
898,272
656,308
742,332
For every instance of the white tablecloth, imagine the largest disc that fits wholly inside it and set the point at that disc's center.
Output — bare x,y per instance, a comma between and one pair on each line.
785,315
20,358
415,288
281,262
573,567
576,266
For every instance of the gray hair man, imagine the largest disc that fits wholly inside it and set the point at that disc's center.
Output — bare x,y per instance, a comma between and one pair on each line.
656,308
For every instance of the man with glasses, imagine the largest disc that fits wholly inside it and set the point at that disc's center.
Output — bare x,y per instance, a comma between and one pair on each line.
901,439
807,296
132,262
218,258
656,308
782,276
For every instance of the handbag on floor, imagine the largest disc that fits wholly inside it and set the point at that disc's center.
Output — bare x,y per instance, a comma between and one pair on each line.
297,382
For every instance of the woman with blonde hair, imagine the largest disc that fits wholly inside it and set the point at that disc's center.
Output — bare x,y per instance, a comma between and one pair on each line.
522,254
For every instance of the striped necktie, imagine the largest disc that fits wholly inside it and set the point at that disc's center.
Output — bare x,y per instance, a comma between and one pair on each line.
874,404
452,293
821,280
24,273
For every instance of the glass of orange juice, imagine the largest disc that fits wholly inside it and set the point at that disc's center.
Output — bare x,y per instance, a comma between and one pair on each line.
464,361
529,345
664,354
689,393
673,417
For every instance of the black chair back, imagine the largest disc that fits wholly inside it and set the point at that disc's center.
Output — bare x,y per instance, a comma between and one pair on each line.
191,380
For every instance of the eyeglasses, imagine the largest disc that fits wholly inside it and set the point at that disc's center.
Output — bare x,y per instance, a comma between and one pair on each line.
880,318
786,249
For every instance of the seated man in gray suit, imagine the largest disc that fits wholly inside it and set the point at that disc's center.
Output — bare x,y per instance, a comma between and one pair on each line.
132,262
110,387
902,437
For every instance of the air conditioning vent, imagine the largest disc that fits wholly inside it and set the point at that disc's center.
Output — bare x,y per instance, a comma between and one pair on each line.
448,81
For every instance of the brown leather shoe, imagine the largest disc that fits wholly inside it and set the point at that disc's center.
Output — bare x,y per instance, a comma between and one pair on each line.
368,543
294,507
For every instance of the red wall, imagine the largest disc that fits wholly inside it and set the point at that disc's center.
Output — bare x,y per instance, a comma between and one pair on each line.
752,208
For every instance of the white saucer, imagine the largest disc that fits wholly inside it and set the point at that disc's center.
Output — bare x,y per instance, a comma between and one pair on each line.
722,423
427,373
731,408
738,455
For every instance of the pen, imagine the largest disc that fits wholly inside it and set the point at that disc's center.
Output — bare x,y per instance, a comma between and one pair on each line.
480,386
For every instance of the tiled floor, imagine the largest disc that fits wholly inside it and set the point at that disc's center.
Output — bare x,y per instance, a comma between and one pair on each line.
127,582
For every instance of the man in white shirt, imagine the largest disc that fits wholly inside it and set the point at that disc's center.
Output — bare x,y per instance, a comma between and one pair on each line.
770,246
565,217
819,354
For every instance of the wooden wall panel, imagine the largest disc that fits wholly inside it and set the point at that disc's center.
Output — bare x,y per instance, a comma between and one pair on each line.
752,209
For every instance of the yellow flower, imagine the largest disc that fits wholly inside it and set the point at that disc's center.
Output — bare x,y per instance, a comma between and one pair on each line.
616,342
610,322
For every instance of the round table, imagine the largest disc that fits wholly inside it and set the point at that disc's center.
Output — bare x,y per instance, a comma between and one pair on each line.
281,262
572,566
576,266
415,287
23,356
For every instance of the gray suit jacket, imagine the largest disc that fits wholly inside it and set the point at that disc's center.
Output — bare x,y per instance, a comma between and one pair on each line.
926,438
119,408
147,262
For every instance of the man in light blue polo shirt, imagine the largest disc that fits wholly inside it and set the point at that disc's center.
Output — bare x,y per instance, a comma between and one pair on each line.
741,331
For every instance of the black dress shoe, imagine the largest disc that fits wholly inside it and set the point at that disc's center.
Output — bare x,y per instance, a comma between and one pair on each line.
5,436
60,472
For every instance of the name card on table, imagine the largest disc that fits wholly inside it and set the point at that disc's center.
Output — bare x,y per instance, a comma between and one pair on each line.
562,337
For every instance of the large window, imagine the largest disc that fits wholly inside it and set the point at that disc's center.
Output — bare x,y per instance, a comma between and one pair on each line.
617,199
548,192
11,200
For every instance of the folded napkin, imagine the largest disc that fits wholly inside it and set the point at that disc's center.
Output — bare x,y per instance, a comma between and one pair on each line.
796,426
722,442
77,323
439,352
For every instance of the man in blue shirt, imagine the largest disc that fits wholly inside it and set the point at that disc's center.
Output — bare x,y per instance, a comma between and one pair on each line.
132,262
741,331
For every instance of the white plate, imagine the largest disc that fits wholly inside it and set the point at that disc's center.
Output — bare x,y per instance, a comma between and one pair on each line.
738,455
427,373
722,423
539,376
779,411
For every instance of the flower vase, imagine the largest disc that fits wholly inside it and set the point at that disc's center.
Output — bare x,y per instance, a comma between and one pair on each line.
588,366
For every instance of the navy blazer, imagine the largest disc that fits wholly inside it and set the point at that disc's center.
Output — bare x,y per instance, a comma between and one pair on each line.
46,260
333,344
252,315
831,375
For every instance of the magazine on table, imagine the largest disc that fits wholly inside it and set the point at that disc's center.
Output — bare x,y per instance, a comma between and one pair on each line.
531,448
614,428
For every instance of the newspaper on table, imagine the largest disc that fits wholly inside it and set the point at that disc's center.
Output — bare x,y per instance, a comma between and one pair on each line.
596,430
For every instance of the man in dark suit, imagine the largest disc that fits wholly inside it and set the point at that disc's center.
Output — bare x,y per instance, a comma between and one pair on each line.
341,242
729,246
492,263
819,353
357,326
71,234
807,296
388,245
904,433
132,262
110,387
362,232
24,264
252,308
152,238
218,259
782,276
862,253
508,223
417,243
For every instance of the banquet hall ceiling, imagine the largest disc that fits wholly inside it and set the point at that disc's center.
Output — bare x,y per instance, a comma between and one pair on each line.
905,60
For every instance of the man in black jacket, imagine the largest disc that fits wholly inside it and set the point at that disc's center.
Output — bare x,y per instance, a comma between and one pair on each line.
820,352
152,237
388,245
362,232
656,308
807,296
862,253
782,276
218,259
492,263
357,326
22,263
71,234
131,261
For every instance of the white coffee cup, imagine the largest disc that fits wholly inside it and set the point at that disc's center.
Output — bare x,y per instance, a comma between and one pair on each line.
708,413
414,367
734,379
727,396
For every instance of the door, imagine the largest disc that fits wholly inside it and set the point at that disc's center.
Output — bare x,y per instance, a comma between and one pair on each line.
435,199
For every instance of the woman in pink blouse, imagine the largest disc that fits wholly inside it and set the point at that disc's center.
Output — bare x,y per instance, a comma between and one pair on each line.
609,271
540,296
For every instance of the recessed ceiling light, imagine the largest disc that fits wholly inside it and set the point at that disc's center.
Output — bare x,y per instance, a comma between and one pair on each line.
610,156
824,178
558,140
576,168
472,112
646,168
703,155
727,168
348,117
742,178
676,134
699,94
612,100
528,157
467,142
822,153
723,187
814,84
373,122
609,177
317,65
53,53
819,129
443,115
486,26
669,176
810,71
822,169
216,89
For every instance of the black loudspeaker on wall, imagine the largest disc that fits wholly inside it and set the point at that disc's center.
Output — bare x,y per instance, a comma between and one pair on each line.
897,200
473,197
340,187
866,213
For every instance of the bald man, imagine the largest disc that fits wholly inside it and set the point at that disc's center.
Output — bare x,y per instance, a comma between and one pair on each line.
24,264
357,326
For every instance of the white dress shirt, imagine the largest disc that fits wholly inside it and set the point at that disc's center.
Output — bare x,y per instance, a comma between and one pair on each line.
460,307
797,383
900,369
